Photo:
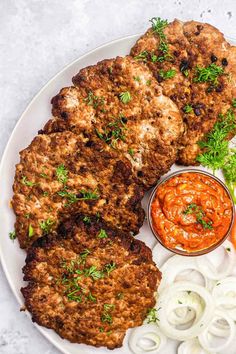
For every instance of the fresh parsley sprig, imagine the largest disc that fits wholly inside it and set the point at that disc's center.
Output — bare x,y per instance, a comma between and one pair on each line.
229,172
209,74
216,146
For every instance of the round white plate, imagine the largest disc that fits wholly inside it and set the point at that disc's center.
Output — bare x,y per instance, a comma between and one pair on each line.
33,119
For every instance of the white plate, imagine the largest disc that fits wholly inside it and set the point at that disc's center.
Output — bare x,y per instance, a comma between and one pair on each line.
33,119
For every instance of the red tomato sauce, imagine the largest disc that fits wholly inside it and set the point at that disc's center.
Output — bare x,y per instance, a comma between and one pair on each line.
191,211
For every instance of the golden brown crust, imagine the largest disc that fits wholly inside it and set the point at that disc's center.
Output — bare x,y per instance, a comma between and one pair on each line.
91,166
129,288
193,44
151,122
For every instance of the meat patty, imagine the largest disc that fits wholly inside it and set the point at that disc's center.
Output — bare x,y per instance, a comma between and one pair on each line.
91,283
121,102
63,173
195,66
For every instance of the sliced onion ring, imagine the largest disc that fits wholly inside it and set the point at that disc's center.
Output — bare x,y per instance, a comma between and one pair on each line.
192,346
204,336
181,316
176,265
210,271
225,296
166,302
147,339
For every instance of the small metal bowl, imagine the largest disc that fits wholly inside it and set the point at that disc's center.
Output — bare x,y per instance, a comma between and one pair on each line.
182,251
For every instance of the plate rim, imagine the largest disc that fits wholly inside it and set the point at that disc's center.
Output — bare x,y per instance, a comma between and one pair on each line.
4,155
10,282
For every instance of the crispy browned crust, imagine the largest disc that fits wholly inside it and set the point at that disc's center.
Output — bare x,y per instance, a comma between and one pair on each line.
152,123
135,278
91,166
195,43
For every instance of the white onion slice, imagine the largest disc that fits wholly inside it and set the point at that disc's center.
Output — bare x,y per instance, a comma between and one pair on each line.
176,265
168,301
219,329
225,296
181,316
147,339
192,346
160,255
205,336
210,270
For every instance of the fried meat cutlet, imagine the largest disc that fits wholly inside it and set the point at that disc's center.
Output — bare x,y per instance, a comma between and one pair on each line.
121,102
63,173
90,283
195,66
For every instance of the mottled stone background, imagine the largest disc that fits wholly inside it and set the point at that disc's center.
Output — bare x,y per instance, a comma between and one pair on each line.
37,39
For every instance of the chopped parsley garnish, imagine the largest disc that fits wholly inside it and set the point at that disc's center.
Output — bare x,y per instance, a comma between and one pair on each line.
228,249
73,296
215,146
108,307
120,296
180,302
109,268
190,208
30,231
158,26
102,234
152,316
83,255
26,182
62,174
199,213
46,225
234,102
93,100
82,195
113,132
94,273
71,197
87,195
43,174
137,78
154,58
12,235
87,220
125,97
188,108
208,74
131,152
169,74
90,297
106,315
142,56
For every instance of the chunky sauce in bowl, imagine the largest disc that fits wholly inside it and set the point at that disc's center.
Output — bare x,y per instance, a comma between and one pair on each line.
191,211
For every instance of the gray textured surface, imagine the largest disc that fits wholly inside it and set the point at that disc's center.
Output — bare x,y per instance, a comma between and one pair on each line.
37,39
